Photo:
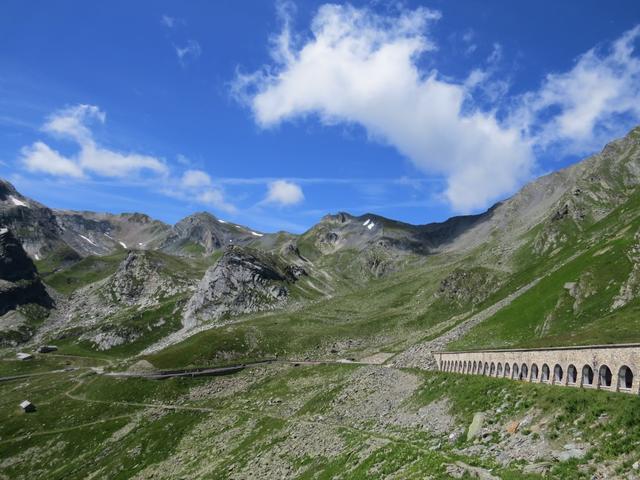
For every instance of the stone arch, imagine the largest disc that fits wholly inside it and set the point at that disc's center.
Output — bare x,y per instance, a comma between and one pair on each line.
625,378
544,376
572,374
460,367
486,368
604,376
515,371
524,372
499,372
492,370
507,370
534,372
464,367
558,373
587,375
474,368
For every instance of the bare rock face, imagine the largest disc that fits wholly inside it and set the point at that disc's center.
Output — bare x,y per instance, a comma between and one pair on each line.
142,280
205,233
29,221
242,281
19,280
139,280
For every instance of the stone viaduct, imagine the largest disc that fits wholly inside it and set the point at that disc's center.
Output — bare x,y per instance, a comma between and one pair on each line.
605,367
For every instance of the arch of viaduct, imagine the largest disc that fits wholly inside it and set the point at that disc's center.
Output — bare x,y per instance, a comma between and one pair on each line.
606,367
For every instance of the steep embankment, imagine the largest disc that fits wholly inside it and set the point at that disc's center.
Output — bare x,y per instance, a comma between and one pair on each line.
24,301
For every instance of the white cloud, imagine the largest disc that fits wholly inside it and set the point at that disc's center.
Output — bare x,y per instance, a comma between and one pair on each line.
580,109
359,67
91,159
195,179
197,186
42,159
215,198
191,51
283,192
73,124
109,163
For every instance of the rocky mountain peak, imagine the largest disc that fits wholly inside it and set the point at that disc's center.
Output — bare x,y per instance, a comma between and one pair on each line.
340,217
242,281
136,217
140,279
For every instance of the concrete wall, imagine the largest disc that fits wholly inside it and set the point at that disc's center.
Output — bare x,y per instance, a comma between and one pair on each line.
613,367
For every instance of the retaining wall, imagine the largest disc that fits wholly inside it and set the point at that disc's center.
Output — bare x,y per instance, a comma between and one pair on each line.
606,367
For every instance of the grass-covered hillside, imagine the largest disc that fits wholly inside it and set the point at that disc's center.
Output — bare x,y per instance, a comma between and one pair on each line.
307,421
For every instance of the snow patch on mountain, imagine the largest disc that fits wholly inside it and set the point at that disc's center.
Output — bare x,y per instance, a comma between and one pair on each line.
18,202
89,240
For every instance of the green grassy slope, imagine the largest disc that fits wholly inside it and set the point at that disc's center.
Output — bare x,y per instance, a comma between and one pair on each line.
390,315
553,313
212,427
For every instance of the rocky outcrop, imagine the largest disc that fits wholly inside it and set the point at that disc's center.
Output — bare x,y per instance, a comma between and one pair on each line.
242,281
32,223
143,279
467,287
19,280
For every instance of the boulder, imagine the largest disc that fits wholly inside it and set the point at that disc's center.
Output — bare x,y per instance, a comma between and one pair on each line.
476,425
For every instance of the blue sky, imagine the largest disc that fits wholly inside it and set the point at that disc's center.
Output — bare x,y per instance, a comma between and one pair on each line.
272,114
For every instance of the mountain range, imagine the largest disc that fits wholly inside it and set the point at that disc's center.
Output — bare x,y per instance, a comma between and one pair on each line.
126,281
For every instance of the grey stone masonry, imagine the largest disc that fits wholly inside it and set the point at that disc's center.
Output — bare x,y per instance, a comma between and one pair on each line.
605,367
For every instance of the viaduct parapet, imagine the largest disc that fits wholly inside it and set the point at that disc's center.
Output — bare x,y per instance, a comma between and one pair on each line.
605,367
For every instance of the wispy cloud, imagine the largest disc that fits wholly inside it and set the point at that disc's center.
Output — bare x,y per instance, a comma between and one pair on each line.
93,161
327,180
582,108
73,124
172,22
189,52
